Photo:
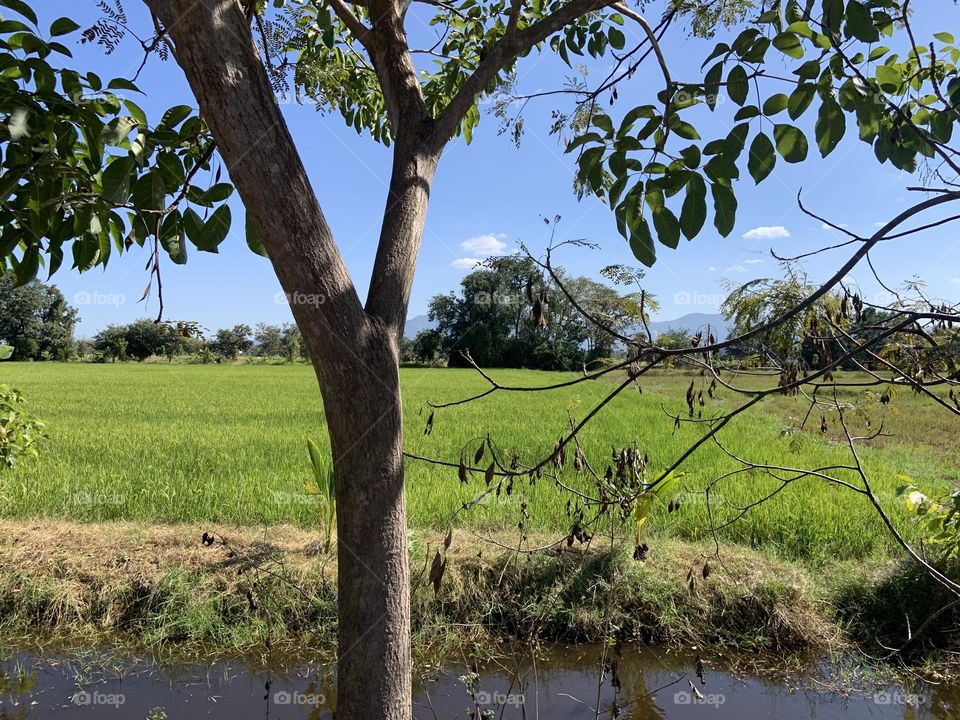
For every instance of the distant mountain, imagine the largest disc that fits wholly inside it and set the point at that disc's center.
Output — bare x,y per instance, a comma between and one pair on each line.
416,324
693,323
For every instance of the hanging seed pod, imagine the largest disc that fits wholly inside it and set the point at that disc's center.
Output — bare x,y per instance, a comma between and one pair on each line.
706,570
436,572
478,455
538,318
579,461
448,538
429,428
488,475
462,472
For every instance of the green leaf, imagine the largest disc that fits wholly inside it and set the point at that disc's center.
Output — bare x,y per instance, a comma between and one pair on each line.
617,38
174,116
6,352
603,122
693,214
667,227
724,209
253,238
774,104
860,23
791,143
218,193
208,235
148,192
762,158
171,238
889,78
22,8
788,44
217,227
738,85
117,178
641,242
685,130
63,26
944,37
800,99
830,127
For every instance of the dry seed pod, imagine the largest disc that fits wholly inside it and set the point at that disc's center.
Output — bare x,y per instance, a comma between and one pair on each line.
462,472
488,475
478,455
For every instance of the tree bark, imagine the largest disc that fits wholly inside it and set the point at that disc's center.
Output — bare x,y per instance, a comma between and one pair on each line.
373,576
354,351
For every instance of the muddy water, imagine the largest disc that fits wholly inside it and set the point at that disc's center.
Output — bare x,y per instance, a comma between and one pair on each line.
556,684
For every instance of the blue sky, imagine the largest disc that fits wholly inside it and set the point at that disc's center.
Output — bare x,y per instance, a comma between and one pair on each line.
489,195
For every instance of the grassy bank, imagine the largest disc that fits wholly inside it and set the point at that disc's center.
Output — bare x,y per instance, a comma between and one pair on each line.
161,589
189,443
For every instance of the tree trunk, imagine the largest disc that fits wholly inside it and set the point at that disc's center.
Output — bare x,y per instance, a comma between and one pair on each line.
373,579
354,350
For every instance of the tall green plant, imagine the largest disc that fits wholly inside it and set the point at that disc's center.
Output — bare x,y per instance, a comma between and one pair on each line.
323,489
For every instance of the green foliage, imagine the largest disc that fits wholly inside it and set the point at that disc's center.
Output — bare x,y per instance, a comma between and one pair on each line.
232,342
939,519
758,302
904,105
139,340
324,490
508,314
35,320
83,174
19,431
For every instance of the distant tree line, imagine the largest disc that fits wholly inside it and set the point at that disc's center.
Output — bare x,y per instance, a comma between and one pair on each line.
38,324
507,314
143,339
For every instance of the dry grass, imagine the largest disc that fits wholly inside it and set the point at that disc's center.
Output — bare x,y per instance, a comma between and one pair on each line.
159,588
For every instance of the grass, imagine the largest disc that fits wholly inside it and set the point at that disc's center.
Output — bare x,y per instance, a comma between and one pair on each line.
192,443
158,587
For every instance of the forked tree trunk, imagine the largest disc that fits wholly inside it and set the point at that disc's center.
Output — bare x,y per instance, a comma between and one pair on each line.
355,350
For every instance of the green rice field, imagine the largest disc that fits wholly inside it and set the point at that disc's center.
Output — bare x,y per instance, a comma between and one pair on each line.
183,443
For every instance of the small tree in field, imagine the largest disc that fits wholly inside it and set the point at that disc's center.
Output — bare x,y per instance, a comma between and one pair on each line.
85,175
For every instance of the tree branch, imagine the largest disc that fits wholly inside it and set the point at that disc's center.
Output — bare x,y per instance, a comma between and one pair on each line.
513,44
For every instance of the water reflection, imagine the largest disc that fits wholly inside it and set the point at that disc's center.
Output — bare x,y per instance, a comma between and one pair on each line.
554,684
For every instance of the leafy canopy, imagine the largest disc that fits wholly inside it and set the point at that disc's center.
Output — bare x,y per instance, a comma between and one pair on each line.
84,174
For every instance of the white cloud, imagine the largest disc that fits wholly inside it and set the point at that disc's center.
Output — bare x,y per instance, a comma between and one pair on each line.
466,263
830,227
712,268
753,262
767,233
736,269
955,280
485,245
